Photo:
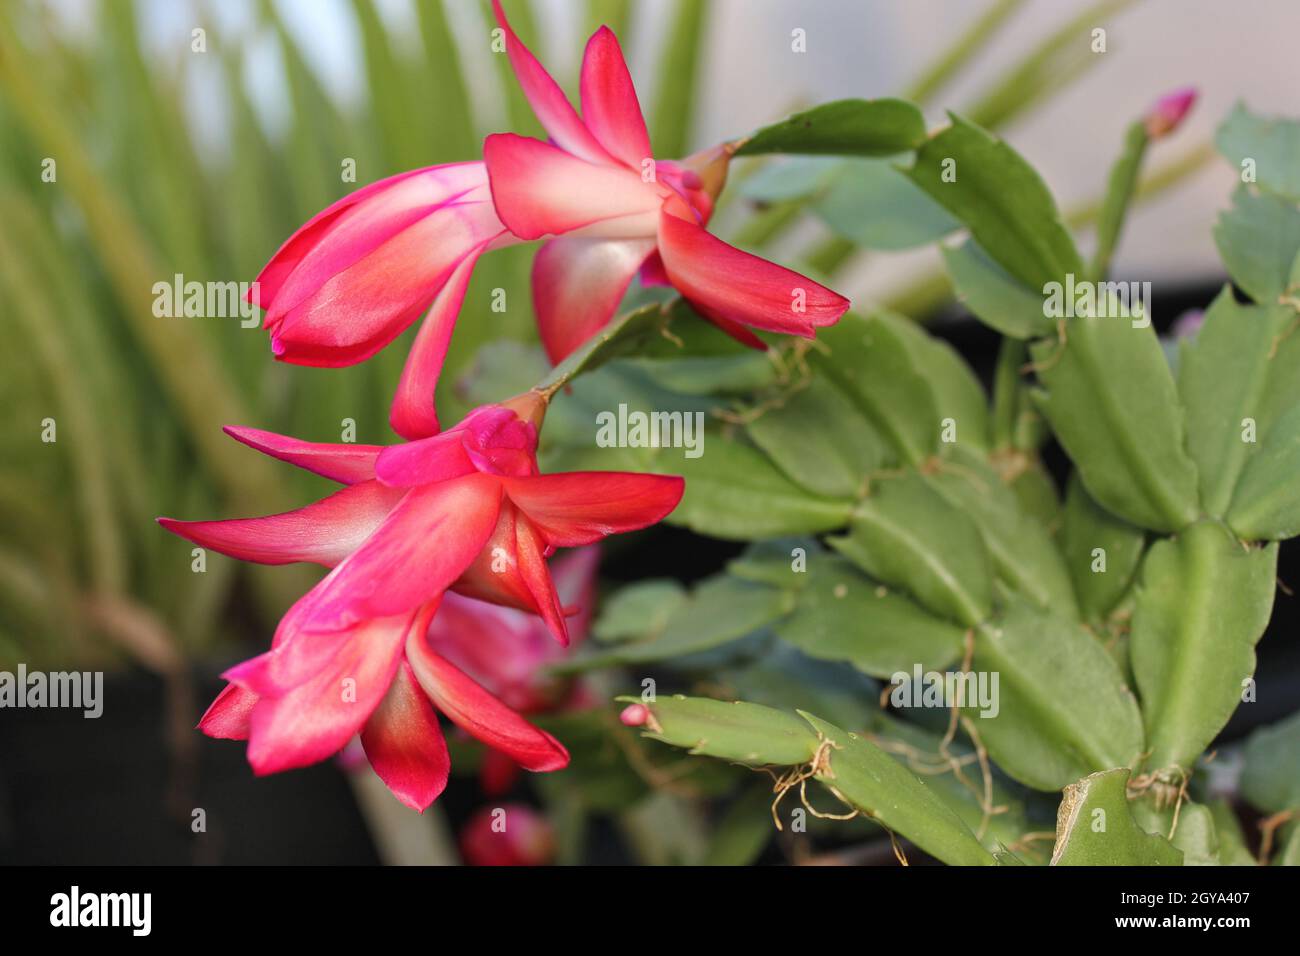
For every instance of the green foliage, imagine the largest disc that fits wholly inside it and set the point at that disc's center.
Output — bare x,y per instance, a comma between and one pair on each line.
1203,601
1095,827
1121,626
843,128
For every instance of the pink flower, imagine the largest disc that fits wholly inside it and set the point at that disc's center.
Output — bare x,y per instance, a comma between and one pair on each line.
1163,118
355,276
465,511
616,211
512,835
507,652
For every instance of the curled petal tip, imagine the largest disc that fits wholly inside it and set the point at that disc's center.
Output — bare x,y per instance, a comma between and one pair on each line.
1168,112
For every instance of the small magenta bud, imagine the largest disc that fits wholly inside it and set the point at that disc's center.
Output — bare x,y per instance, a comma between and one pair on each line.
1164,117
634,715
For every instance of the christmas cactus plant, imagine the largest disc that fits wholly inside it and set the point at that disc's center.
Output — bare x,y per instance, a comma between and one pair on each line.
930,637
1076,648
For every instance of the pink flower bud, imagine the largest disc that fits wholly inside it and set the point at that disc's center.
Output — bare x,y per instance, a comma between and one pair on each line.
634,715
1164,117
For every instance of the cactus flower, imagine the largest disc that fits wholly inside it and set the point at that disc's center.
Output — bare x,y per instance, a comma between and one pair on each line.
507,651
614,211
356,275
512,835
465,510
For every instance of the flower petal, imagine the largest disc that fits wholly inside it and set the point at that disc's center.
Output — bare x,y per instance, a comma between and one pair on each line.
548,101
540,189
577,286
580,507
309,235
609,104
404,743
384,291
228,716
388,208
318,717
424,545
510,570
425,461
530,559
652,271
480,714
502,648
743,288
412,414
575,581
325,532
348,464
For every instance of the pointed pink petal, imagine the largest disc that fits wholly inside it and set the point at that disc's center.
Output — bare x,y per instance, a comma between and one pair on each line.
577,286
424,545
501,648
575,581
228,716
294,660
386,209
548,101
346,463
325,532
308,236
480,714
319,716
581,507
412,414
425,461
510,570
735,285
652,271
357,312
530,557
609,103
540,190
405,744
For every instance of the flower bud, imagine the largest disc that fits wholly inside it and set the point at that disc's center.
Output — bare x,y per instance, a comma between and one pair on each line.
634,715
1164,117
510,835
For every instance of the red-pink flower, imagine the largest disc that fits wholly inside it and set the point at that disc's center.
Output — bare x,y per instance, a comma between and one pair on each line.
507,652
512,835
352,278
356,275
465,511
615,210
